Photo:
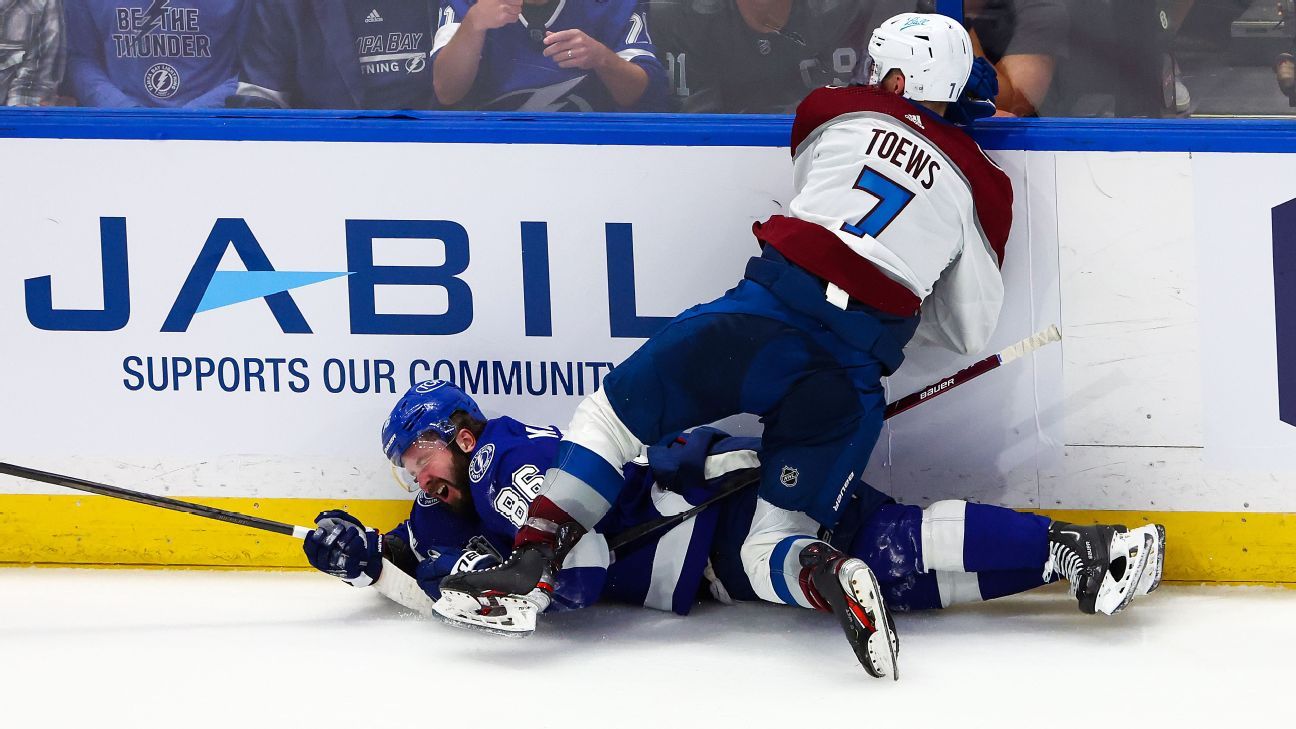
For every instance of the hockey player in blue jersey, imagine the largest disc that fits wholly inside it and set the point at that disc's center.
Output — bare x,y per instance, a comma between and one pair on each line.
897,213
475,478
546,55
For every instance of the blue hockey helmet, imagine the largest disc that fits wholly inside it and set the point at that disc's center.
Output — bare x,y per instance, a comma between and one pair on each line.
425,408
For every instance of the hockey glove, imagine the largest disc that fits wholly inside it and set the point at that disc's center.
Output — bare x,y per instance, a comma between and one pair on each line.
477,555
977,101
341,546
983,81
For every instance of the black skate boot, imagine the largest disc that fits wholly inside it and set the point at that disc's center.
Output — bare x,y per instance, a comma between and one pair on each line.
848,587
507,598
1104,563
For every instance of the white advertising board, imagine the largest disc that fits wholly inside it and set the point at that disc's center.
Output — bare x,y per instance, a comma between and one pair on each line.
236,318
1243,240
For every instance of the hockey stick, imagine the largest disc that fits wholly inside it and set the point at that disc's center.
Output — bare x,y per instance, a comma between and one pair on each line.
976,369
746,477
736,482
117,492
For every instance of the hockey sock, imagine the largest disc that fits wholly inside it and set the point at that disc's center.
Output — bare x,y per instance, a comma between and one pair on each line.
582,484
935,590
958,536
789,580
1010,582
541,526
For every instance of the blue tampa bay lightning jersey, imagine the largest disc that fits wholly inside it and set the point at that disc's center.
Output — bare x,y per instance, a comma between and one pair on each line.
514,74
505,473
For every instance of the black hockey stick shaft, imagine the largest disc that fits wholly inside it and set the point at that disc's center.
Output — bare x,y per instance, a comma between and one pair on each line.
736,482
187,507
746,477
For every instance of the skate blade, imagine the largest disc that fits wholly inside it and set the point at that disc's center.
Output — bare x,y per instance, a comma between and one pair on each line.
1137,567
1151,578
506,615
883,659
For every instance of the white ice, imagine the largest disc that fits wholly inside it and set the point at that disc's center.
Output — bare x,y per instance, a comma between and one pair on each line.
122,648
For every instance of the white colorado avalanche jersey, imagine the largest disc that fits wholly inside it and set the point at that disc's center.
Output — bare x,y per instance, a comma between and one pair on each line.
898,209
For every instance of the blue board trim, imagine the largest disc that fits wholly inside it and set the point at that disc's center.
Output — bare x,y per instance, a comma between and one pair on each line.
952,8
720,130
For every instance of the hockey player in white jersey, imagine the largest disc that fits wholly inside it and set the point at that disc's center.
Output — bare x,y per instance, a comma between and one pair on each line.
896,232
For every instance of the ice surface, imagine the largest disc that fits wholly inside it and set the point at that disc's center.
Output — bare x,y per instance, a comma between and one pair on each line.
125,648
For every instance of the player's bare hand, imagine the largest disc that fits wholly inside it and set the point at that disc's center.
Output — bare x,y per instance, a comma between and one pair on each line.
491,14
574,49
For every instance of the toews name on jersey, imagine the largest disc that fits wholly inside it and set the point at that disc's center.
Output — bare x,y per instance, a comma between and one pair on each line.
891,200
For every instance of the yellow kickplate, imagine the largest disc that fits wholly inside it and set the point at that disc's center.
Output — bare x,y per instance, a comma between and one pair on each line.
1207,546
97,530
100,531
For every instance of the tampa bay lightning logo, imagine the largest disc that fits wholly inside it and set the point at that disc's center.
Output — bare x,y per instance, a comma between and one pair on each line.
481,461
162,80
416,64
555,97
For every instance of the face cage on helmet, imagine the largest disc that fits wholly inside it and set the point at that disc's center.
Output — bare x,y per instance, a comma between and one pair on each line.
403,477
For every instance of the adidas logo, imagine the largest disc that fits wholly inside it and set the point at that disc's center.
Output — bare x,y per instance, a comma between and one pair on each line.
915,120
373,17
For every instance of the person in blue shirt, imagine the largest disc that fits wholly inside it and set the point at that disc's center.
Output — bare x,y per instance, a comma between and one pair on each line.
546,55
153,53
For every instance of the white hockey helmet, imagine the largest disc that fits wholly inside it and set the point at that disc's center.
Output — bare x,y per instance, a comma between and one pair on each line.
933,51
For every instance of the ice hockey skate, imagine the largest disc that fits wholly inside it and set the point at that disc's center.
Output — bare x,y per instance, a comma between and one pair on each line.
508,597
851,590
498,599
493,612
1106,565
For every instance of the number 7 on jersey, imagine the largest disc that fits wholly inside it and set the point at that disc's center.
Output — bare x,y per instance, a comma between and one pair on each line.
891,200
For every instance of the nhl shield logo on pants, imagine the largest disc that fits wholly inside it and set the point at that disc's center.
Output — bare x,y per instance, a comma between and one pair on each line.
789,476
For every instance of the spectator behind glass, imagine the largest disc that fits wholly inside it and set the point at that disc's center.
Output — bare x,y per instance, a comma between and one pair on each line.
758,56
32,51
159,53
547,55
1024,39
1285,70
338,54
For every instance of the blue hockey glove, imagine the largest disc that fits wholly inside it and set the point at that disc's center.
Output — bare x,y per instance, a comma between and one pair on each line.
477,555
983,81
341,546
977,101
